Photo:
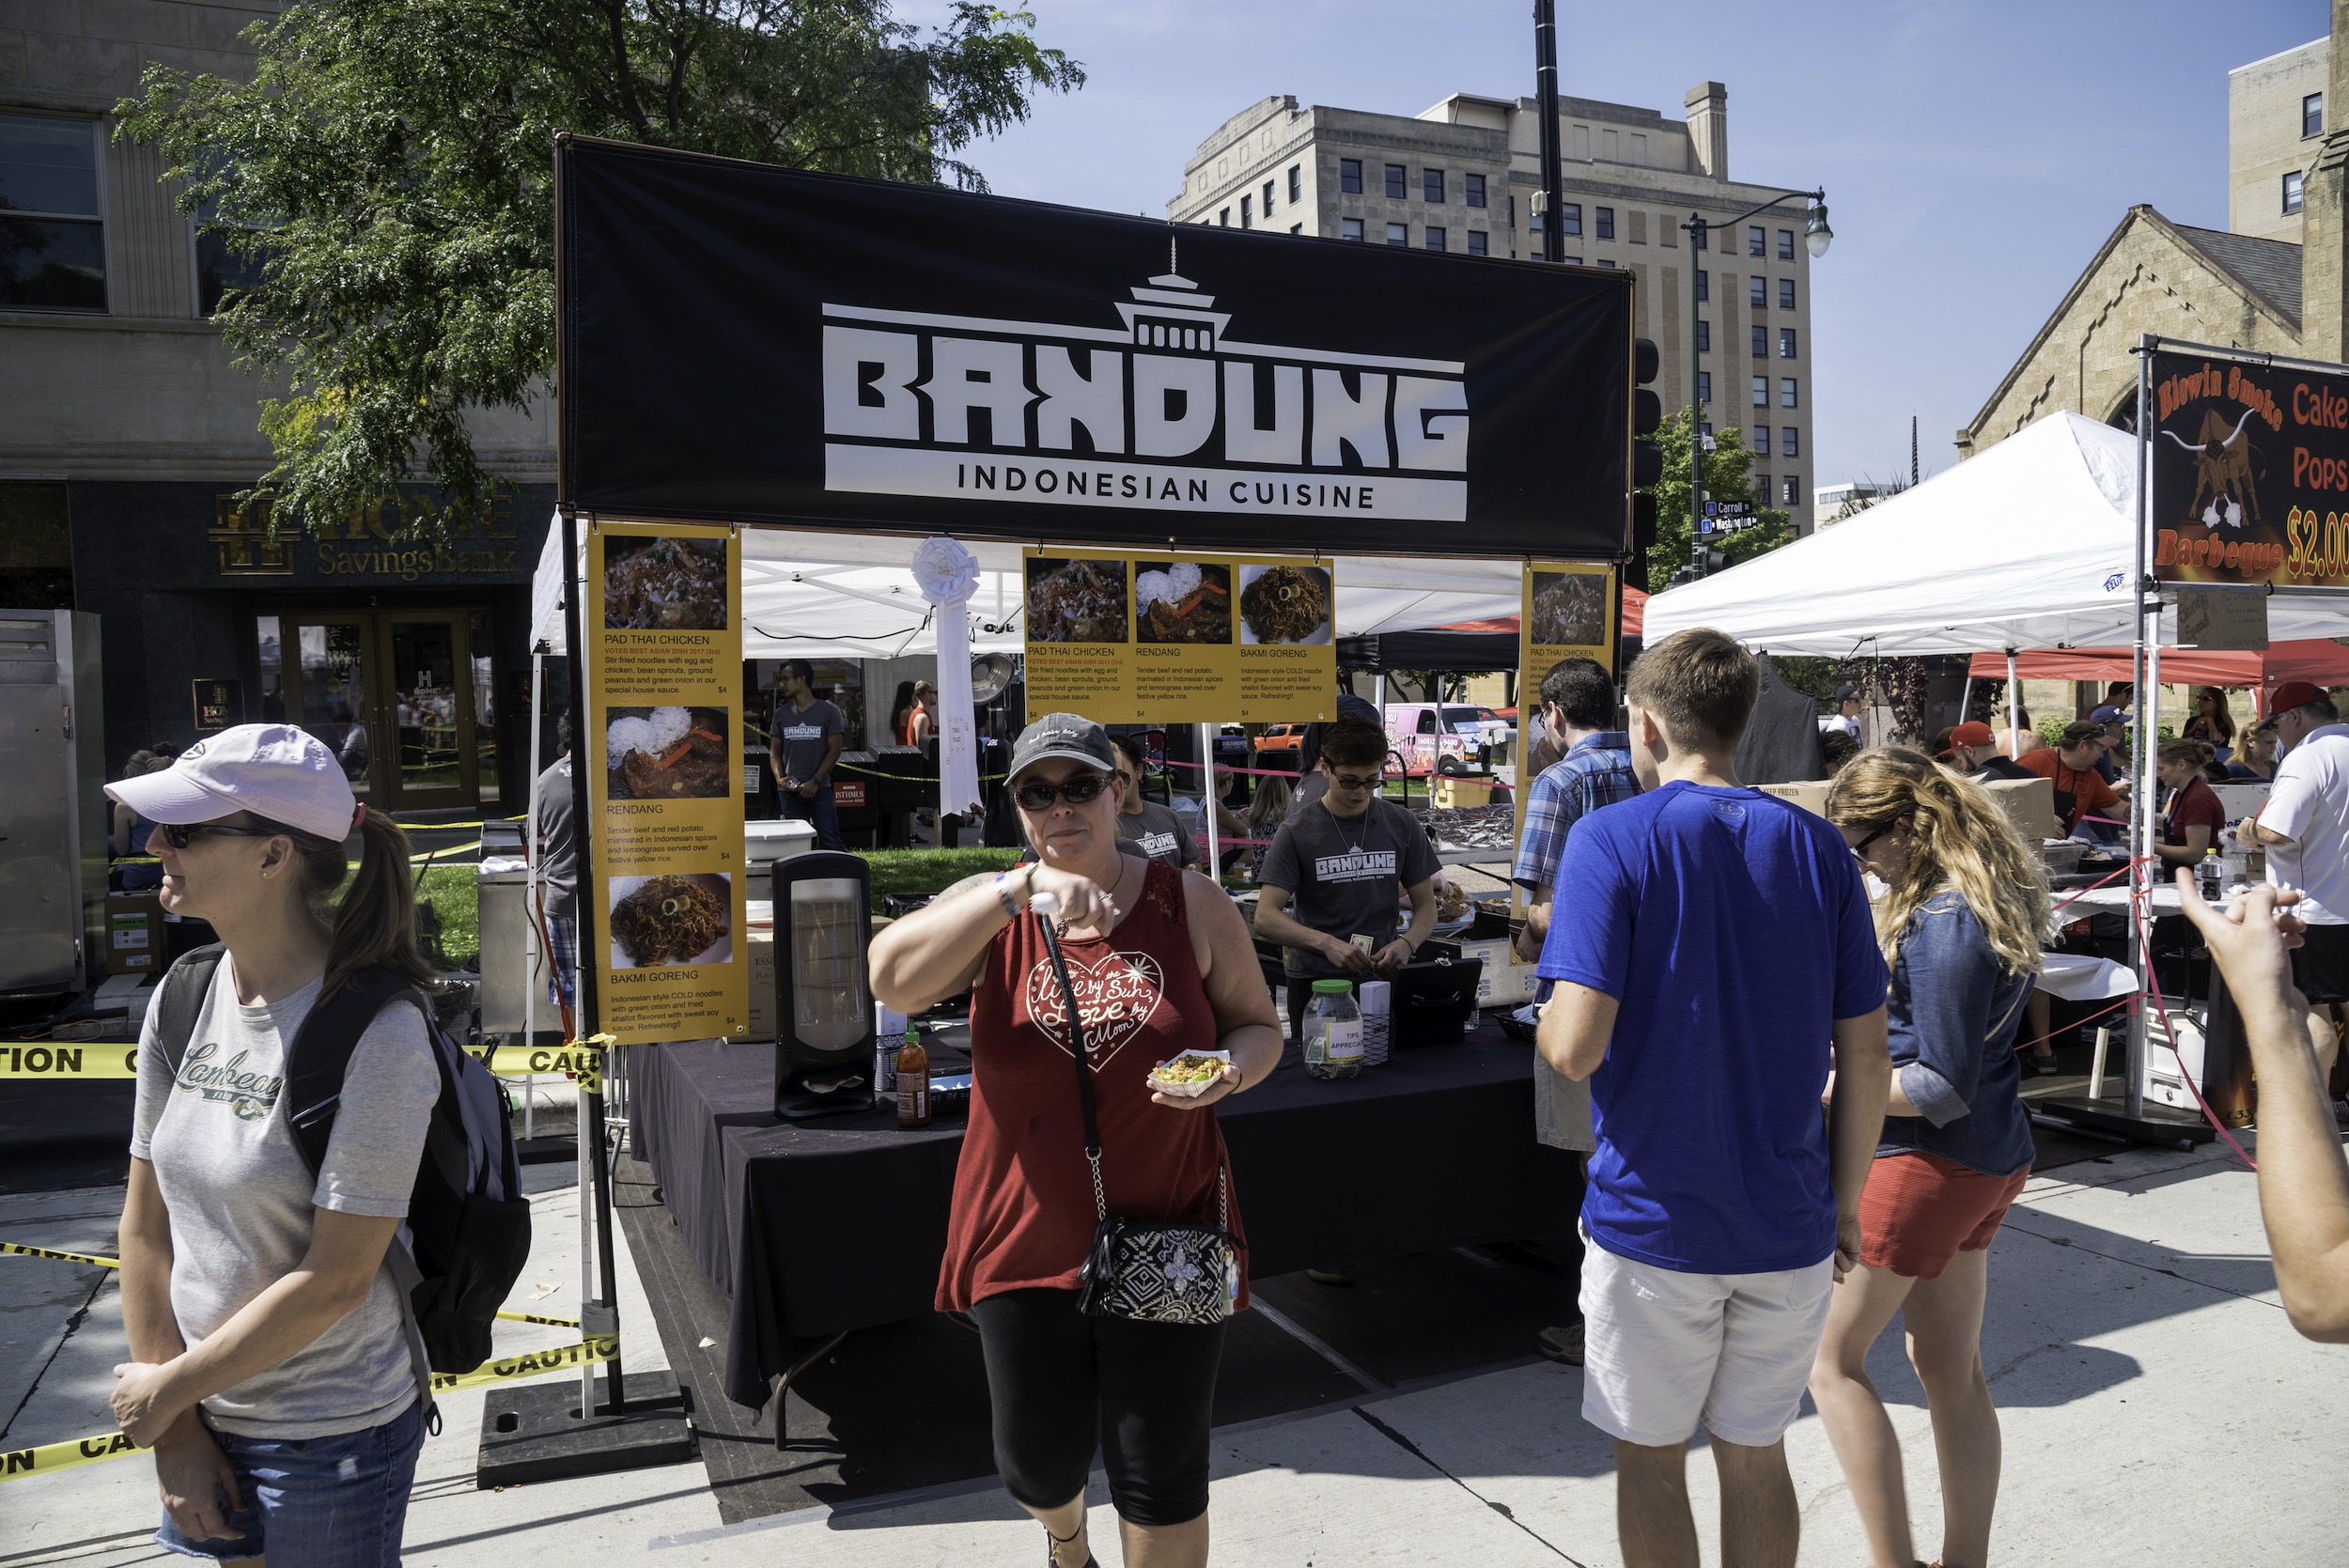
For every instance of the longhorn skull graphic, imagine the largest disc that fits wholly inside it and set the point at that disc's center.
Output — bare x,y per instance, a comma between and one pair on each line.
2222,472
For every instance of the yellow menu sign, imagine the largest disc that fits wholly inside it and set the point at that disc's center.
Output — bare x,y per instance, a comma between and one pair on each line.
663,626
1122,637
1567,609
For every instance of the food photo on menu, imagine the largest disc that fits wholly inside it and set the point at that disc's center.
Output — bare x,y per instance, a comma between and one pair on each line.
1076,600
1569,608
1285,604
666,754
665,583
1182,602
670,920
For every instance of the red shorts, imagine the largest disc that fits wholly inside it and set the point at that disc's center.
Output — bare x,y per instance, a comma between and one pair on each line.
1919,1211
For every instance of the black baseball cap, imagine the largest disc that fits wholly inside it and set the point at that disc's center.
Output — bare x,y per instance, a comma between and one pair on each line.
1062,735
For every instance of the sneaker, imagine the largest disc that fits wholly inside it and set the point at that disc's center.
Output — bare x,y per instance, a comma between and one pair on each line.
1562,1344
1330,1276
2044,1065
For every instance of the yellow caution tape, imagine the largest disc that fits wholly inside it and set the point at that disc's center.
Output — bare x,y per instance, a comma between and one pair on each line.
66,1257
98,1060
545,1060
452,849
549,1322
19,1463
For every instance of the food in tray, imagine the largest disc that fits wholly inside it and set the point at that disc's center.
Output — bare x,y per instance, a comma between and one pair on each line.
668,753
1076,601
1182,602
1452,901
670,584
669,920
1569,608
1190,1073
1287,604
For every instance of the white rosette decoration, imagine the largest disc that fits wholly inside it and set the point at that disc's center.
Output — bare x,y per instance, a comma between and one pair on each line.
948,574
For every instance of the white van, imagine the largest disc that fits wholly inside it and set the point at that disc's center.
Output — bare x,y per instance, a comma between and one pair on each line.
1457,737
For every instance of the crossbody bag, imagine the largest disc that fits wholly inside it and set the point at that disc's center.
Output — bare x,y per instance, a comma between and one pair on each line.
1151,1270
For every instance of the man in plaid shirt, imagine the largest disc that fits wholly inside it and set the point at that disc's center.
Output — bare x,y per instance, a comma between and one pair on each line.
1578,711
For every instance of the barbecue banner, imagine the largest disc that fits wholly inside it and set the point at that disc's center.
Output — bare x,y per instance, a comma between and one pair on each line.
1567,611
663,753
765,345
1127,638
2251,467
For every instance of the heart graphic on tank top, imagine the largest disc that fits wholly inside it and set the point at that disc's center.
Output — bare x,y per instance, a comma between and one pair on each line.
1116,994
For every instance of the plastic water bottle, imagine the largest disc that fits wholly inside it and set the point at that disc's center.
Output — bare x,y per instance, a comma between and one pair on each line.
2212,875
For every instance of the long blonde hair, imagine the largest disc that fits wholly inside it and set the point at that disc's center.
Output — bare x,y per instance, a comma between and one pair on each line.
1958,838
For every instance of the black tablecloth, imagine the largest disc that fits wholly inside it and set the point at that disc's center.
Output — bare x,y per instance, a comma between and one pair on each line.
840,1222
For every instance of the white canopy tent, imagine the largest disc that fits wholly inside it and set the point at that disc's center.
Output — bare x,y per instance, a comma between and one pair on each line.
852,596
2031,545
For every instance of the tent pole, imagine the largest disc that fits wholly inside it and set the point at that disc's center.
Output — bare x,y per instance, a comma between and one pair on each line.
530,888
2014,709
2140,797
1215,834
1965,698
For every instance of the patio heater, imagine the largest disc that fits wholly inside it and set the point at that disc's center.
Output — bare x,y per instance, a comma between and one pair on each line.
823,1003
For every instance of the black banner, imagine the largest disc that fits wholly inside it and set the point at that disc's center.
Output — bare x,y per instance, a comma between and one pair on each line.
755,344
2251,473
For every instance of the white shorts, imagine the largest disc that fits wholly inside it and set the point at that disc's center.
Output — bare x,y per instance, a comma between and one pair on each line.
1665,1350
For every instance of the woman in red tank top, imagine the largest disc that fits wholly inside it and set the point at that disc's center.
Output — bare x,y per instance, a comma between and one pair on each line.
1160,962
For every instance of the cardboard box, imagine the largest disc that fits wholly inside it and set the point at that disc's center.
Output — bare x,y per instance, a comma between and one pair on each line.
134,933
2030,804
1811,794
1455,793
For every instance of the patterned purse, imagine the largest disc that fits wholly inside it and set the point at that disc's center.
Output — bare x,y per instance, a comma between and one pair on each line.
1154,1271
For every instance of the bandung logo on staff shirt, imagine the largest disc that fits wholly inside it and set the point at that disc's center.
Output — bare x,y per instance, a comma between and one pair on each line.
1164,413
1355,865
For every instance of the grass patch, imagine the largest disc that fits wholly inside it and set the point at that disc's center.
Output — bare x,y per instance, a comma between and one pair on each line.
450,891
903,871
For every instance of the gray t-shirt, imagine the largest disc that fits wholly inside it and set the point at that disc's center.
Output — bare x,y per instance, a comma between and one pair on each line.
241,1199
1346,876
1159,832
802,736
559,845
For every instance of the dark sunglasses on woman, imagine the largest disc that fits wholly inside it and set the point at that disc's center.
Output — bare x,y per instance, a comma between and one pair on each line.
180,835
1078,789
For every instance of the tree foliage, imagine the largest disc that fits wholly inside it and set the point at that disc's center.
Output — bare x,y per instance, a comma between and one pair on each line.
387,170
1728,477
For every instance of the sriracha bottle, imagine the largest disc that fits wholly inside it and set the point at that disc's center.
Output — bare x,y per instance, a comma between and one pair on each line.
913,1083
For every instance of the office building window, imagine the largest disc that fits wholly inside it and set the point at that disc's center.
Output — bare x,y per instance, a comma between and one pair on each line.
1792,494
1705,430
217,269
1247,212
1606,222
1705,284
1786,343
1350,176
1571,219
1786,398
1349,229
1476,242
1573,261
1757,242
1787,293
1431,184
1704,336
1760,391
1761,440
1761,345
2312,115
1758,292
1604,262
1434,238
1790,441
1224,218
1299,228
1297,183
1398,234
2292,191
1268,198
1705,392
1472,189
1786,244
1395,181
1761,488
52,254
1698,242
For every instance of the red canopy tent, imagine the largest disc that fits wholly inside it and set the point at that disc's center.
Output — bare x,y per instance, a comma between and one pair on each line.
2317,659
1634,616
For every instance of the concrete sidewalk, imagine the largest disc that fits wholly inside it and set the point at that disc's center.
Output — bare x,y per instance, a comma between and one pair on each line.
2157,1408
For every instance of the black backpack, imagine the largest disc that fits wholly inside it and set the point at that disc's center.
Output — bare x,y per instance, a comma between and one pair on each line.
467,1227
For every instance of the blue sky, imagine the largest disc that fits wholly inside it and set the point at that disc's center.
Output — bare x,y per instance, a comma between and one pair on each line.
1974,155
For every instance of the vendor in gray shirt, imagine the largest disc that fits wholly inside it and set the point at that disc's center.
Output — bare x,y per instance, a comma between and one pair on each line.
1346,862
1158,831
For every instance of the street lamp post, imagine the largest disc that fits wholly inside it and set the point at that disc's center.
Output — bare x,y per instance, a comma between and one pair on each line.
1817,238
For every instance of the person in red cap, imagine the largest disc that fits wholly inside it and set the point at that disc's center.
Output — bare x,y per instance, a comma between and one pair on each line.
1973,750
2305,829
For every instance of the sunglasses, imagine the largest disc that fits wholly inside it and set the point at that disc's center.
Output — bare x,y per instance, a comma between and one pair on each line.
180,835
1078,790
1860,850
1354,781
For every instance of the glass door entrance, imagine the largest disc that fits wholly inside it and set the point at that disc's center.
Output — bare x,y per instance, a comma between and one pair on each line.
398,695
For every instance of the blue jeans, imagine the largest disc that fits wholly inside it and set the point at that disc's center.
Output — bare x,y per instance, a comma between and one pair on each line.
317,1502
819,811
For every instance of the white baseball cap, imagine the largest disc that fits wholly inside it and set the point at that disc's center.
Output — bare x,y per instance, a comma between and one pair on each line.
275,772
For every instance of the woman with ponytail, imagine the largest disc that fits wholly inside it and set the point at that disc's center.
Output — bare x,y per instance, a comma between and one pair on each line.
272,1372
1960,927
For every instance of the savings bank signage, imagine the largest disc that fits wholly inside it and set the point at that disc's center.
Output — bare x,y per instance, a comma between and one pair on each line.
759,345
2251,467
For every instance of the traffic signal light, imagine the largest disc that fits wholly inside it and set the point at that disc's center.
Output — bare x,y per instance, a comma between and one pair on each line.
1647,457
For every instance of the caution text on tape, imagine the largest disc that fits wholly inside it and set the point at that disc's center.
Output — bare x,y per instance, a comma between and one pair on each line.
583,1063
23,1251
104,1059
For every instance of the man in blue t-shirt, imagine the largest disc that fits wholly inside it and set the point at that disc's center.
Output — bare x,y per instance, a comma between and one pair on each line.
1719,950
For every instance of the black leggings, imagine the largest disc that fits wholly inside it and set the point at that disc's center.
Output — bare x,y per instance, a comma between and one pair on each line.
1063,1384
